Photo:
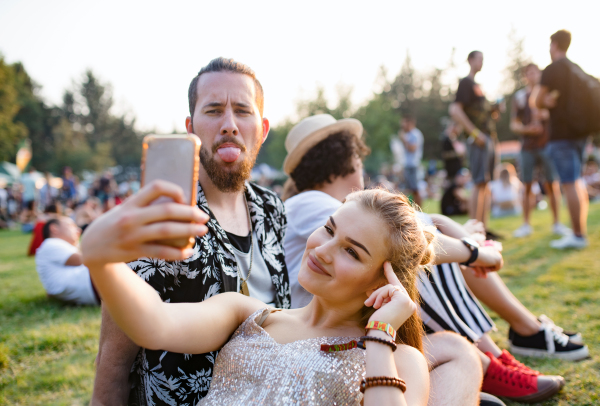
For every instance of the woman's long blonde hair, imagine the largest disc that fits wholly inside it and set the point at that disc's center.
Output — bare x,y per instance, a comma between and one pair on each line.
409,249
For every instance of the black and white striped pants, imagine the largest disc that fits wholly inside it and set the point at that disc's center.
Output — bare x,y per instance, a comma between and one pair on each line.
448,305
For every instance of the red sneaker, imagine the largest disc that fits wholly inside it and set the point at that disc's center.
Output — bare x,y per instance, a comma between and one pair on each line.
508,360
500,380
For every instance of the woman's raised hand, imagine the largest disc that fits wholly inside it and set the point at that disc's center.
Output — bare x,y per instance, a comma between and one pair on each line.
129,230
392,302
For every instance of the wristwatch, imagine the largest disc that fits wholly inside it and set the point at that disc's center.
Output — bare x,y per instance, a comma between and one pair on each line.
474,247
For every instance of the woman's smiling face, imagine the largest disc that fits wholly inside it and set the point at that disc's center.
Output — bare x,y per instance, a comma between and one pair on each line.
344,258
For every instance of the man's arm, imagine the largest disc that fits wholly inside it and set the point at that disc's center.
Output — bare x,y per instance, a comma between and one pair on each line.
74,260
116,354
544,98
410,146
457,112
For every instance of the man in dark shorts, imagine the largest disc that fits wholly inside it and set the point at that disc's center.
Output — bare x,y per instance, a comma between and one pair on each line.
566,146
473,111
532,125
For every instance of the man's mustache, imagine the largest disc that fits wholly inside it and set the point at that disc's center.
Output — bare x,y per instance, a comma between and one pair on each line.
228,140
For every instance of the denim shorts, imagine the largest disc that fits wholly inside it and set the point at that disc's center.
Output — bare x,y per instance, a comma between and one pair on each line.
532,157
411,178
482,161
567,157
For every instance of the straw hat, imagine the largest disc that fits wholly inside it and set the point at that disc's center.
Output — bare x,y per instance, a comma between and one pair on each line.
312,130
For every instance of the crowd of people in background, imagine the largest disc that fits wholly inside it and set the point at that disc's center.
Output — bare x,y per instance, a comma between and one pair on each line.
324,164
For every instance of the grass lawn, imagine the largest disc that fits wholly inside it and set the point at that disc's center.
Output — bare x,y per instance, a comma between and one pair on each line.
47,349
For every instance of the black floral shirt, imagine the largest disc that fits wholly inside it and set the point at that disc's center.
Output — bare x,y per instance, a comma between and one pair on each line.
166,378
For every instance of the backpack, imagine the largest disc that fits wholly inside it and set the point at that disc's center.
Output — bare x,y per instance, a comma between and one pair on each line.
583,102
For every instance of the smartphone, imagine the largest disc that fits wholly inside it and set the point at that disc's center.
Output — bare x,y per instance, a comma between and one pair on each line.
176,159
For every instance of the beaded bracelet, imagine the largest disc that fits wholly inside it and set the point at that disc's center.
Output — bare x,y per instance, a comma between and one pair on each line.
372,381
385,327
389,343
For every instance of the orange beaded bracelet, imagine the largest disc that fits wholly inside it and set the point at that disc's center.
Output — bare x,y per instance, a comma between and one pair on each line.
372,381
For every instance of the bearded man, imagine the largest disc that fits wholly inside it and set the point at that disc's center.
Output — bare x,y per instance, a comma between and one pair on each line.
241,252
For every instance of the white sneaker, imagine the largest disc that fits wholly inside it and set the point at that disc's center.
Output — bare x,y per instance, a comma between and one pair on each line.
523,231
561,229
569,241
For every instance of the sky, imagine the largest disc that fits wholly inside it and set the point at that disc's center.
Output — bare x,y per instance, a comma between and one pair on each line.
149,51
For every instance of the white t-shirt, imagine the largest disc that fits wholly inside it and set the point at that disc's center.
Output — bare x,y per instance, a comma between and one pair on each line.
502,193
259,283
306,212
413,159
68,283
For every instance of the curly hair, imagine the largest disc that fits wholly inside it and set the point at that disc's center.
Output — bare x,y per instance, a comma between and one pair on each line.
327,160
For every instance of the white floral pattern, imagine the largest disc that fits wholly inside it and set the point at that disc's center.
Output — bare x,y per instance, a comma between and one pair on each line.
165,378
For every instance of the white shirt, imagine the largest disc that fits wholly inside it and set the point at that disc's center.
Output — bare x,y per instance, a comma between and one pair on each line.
306,212
68,283
413,159
502,193
259,283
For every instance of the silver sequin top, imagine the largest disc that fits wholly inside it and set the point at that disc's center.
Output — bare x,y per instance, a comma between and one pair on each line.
253,369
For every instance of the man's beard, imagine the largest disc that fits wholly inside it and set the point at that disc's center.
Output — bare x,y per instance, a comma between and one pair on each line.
228,177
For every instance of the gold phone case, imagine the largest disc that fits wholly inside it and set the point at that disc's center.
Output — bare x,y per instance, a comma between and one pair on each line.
176,159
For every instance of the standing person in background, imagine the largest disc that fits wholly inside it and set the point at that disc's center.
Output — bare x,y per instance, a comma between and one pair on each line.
412,139
532,125
28,183
474,113
566,146
48,193
453,151
68,191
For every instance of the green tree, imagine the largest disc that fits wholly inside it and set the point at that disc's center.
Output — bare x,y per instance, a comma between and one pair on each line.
513,81
112,139
11,130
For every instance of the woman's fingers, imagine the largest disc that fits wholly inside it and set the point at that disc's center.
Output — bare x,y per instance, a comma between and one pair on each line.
154,190
172,212
166,230
388,271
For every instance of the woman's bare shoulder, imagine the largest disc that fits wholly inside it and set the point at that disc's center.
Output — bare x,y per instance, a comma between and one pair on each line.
412,367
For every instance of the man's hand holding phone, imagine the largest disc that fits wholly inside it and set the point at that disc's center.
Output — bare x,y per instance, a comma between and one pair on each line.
132,229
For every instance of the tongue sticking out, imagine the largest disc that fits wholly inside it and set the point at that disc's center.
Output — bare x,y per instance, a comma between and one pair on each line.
229,154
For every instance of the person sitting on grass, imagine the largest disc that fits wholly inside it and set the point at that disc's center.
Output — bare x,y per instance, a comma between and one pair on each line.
361,267
59,265
506,192
325,164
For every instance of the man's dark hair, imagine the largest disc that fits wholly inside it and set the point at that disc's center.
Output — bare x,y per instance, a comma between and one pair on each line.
562,39
221,64
409,117
472,54
327,160
46,228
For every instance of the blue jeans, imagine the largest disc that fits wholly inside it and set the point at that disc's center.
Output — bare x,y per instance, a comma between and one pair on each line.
567,157
529,159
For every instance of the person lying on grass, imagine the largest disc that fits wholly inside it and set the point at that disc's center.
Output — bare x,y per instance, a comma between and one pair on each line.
361,267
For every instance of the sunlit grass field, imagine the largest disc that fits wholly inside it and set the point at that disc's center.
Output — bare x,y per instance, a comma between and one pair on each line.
47,350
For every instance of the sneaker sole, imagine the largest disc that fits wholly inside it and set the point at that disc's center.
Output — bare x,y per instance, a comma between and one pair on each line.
574,355
540,396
